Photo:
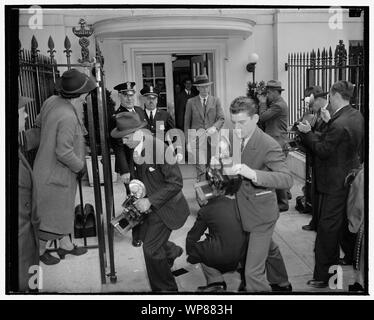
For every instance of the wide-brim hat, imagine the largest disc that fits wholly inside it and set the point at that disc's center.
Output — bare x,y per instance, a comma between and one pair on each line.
202,80
126,123
126,87
73,83
274,84
22,101
149,91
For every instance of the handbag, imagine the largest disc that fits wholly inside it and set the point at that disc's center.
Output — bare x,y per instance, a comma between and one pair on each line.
84,221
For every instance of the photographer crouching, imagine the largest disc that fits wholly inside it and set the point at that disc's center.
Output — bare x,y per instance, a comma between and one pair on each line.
336,152
169,209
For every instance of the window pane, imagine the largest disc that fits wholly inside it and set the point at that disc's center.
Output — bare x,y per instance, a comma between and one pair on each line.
159,70
147,70
148,82
160,85
162,101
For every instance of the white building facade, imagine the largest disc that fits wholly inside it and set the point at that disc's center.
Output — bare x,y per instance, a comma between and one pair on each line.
165,44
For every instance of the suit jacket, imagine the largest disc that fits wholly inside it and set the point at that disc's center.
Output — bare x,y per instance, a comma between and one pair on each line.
274,118
180,108
195,117
123,154
336,150
225,244
161,115
28,223
163,183
257,202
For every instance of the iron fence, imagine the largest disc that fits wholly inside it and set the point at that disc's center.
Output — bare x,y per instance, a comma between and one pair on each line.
323,68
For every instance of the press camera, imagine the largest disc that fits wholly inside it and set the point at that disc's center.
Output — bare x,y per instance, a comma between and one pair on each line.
218,183
130,215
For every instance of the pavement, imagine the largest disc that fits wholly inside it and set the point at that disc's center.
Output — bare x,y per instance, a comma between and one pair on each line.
82,274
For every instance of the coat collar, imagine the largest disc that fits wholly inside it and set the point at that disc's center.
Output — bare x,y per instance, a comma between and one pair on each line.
252,142
337,114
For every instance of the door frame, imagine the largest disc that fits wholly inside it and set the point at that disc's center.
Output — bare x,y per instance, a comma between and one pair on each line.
133,48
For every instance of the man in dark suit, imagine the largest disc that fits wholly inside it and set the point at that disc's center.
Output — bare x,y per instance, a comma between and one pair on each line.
263,168
122,153
181,101
337,151
315,100
273,113
225,244
157,119
163,183
204,113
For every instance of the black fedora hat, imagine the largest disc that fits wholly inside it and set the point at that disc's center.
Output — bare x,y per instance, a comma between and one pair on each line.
126,87
73,83
202,80
126,123
149,91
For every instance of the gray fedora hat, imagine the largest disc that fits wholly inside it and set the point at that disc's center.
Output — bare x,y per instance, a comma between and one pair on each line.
274,84
202,80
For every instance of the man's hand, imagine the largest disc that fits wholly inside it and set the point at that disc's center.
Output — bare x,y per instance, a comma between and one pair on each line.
142,204
304,126
211,130
325,115
241,169
125,178
262,98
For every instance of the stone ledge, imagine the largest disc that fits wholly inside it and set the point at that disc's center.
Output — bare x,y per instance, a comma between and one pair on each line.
296,163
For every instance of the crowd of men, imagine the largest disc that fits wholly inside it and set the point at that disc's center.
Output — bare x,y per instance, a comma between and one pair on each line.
241,226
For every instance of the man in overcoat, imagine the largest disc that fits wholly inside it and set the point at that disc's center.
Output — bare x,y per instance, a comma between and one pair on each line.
273,113
123,154
263,169
163,183
337,151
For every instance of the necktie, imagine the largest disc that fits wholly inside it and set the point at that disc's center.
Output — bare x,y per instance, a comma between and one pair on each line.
242,146
204,105
151,118
188,92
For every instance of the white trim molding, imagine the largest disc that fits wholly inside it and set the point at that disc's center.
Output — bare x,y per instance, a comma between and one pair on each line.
174,26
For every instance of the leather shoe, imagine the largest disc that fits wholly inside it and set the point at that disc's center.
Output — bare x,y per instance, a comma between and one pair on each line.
137,243
283,208
213,287
76,251
178,253
356,287
48,259
308,227
317,283
344,262
278,288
